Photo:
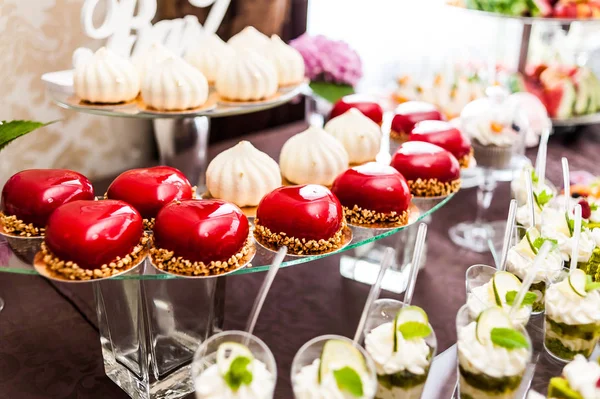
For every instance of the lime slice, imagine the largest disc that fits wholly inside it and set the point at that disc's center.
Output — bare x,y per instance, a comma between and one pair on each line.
338,354
577,280
488,320
228,352
530,236
406,314
504,282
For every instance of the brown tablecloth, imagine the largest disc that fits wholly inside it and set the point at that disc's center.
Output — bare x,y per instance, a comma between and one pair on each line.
49,345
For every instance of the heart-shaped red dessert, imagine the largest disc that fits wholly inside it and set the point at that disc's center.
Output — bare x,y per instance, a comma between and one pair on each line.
32,195
310,212
149,189
365,104
408,114
373,186
201,230
93,233
444,135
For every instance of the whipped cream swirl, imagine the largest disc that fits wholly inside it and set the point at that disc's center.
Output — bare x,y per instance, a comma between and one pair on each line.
523,216
288,61
583,377
519,187
554,226
360,136
209,55
250,38
482,298
519,261
247,76
489,359
565,306
411,355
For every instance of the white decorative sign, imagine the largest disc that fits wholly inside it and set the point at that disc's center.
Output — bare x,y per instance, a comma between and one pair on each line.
128,33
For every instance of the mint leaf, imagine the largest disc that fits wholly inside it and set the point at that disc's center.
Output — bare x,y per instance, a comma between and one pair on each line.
348,380
593,207
331,91
534,177
529,299
571,224
509,338
537,244
238,373
414,329
10,130
542,198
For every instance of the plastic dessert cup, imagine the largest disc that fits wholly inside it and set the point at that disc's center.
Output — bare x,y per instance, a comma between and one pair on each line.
481,294
475,382
564,339
308,358
208,379
403,384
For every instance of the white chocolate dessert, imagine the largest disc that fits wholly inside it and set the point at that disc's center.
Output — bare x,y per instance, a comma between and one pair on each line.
209,55
149,58
242,175
360,136
288,61
313,157
106,78
174,85
250,38
247,76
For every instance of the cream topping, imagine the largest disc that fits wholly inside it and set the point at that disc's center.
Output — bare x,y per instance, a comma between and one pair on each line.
151,57
247,76
360,136
565,306
209,55
523,217
250,38
519,261
411,355
482,298
288,61
554,226
583,377
519,187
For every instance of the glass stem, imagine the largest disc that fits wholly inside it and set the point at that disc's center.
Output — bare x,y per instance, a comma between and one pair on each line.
485,193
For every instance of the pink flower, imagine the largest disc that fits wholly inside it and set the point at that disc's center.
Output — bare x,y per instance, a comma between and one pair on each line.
329,60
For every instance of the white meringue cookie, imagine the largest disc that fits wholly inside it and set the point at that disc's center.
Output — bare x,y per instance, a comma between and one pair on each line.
288,61
209,55
360,136
313,157
242,175
174,85
152,56
106,78
250,39
247,77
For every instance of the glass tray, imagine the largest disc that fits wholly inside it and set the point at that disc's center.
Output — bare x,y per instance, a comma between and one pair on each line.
11,263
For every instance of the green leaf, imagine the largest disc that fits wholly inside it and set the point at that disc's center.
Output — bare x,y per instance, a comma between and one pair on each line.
414,329
529,299
509,338
331,91
542,198
537,244
10,130
590,285
571,224
593,207
238,373
348,380
534,177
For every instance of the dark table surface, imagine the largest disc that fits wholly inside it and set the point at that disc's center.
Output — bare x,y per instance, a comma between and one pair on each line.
49,346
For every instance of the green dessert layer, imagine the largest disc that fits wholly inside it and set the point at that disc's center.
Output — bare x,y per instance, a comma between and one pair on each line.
559,389
587,332
556,347
538,305
466,396
592,266
402,379
491,385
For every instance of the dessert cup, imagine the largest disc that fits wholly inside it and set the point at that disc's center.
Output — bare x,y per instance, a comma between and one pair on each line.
209,381
481,295
486,371
579,379
407,381
305,371
572,322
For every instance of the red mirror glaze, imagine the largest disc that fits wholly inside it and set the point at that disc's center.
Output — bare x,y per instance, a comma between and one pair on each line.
201,230
310,211
365,104
417,159
408,114
149,189
442,134
33,194
93,233
373,186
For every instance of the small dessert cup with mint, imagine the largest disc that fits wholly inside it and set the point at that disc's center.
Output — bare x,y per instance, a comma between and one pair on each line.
333,366
572,322
234,364
402,344
493,354
487,287
520,259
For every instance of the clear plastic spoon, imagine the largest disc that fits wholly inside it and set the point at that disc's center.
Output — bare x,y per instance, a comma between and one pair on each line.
576,237
510,226
529,277
566,184
414,264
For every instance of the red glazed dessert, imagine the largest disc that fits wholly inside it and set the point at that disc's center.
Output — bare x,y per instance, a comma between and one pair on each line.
373,195
365,104
429,170
149,189
307,219
444,135
93,239
201,238
29,198
410,113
